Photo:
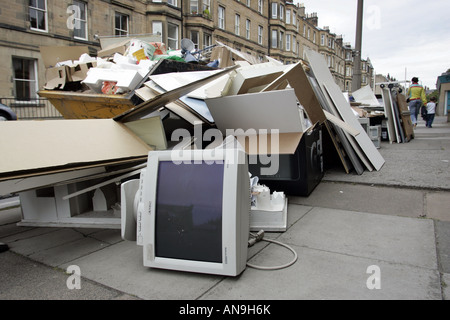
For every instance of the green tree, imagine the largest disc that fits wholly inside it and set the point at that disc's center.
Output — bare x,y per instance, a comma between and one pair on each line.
435,93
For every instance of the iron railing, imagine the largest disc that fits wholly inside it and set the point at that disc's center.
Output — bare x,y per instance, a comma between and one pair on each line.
39,108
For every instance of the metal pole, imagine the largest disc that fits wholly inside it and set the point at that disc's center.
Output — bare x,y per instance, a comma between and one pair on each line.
356,82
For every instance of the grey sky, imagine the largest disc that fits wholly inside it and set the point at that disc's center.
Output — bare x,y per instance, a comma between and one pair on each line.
402,37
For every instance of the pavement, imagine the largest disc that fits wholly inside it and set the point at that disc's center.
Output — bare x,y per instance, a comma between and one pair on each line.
382,235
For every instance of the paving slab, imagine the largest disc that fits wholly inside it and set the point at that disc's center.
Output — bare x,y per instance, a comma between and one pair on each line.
446,286
438,205
120,267
365,198
424,162
67,252
433,173
443,245
335,250
388,238
44,241
24,279
9,230
327,275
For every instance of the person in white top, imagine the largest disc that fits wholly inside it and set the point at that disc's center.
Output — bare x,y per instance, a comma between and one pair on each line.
431,111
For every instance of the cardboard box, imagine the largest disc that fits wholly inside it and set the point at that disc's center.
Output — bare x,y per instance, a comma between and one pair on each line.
299,153
51,55
254,78
57,77
249,115
79,71
298,173
120,47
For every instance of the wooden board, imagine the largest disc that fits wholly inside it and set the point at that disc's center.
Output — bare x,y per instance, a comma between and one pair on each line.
73,105
397,118
388,113
356,147
325,79
341,124
406,117
348,157
297,79
48,145
394,118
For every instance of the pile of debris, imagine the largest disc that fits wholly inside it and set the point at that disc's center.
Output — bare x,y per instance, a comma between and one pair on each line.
280,114
390,115
83,84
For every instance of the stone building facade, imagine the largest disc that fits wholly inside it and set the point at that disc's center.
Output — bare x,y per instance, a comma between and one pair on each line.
275,28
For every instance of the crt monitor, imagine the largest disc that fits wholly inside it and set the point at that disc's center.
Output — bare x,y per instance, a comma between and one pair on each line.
194,213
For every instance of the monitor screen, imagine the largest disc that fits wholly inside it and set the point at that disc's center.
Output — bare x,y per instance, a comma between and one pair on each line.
188,211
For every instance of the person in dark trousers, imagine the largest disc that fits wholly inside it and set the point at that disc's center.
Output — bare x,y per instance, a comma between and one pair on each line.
417,98
431,111
423,112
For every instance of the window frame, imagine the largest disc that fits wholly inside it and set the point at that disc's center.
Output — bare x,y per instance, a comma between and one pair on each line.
248,26
221,17
193,6
237,24
206,5
171,39
274,39
288,42
37,10
207,40
172,3
260,34
122,32
32,71
192,35
274,14
81,21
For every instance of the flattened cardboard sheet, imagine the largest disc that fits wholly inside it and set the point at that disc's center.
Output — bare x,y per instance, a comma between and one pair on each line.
251,117
51,55
257,111
297,79
249,79
150,130
160,100
325,79
406,117
355,145
57,144
366,96
267,144
146,93
389,115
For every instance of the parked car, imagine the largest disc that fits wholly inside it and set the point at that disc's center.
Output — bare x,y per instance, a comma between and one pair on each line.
6,113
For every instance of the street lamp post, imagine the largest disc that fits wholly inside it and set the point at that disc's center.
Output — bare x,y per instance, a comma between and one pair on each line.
356,81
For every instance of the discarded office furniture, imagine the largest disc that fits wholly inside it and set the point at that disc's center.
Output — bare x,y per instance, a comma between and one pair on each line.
46,207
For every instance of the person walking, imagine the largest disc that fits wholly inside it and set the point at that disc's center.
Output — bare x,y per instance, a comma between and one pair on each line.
417,98
431,111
